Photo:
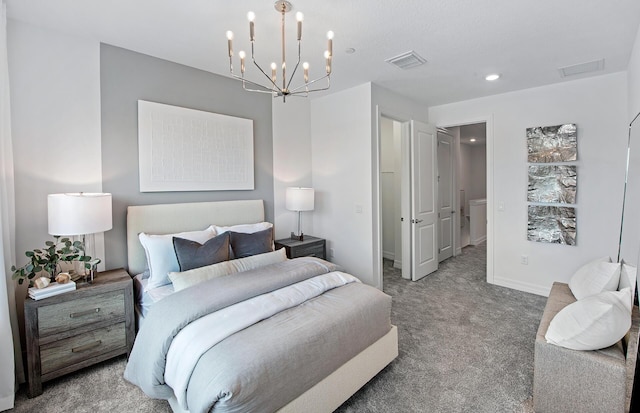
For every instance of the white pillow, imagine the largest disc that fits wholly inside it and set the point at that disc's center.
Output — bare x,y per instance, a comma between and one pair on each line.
628,278
161,257
595,322
595,277
182,280
244,228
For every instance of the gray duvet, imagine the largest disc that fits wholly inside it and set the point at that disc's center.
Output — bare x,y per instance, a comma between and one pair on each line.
265,366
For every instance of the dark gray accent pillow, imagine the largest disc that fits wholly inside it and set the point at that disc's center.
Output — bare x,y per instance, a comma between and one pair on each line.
192,254
245,245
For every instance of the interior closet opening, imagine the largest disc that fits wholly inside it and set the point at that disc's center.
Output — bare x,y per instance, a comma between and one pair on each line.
391,189
470,145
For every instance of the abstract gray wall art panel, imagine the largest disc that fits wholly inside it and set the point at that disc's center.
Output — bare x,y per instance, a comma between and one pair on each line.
552,224
552,143
552,183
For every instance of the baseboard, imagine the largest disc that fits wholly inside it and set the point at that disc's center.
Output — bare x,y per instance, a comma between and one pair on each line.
459,251
479,240
388,255
522,286
397,264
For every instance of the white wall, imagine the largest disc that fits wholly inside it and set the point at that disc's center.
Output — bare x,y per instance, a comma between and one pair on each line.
478,169
633,78
598,105
291,161
341,168
55,114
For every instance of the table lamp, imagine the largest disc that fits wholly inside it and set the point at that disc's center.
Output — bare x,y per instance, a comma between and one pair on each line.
80,214
299,199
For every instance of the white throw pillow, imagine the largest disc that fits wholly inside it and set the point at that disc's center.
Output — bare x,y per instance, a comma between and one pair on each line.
595,277
184,279
161,257
593,323
628,278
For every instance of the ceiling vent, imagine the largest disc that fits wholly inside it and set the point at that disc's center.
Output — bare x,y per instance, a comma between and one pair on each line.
582,68
407,60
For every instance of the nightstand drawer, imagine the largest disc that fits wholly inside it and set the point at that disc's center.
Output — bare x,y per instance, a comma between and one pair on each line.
64,316
313,250
63,353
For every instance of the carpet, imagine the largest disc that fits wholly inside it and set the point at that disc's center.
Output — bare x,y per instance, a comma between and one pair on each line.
465,346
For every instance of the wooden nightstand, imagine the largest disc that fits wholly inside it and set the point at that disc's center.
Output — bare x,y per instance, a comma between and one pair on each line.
79,328
309,247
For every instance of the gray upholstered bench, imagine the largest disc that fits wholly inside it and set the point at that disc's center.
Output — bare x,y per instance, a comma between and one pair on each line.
596,381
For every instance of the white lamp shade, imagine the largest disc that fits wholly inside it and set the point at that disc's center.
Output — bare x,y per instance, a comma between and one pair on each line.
299,199
79,213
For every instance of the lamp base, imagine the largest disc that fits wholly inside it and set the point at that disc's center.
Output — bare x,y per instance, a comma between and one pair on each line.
297,237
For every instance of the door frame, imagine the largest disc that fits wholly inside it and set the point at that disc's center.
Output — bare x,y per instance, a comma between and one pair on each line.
488,121
376,209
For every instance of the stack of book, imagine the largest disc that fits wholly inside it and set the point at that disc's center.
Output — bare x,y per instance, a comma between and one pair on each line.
52,289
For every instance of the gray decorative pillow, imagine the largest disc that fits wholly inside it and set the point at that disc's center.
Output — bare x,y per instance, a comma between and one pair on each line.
246,245
192,254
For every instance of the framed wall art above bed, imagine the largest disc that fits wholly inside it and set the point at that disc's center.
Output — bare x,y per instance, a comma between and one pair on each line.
182,149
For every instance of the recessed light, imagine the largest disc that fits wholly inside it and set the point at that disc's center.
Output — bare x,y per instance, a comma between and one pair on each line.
492,77
350,50
472,140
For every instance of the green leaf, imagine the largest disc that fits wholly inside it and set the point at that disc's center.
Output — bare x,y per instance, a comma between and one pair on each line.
20,281
13,268
29,268
65,239
30,253
49,243
36,269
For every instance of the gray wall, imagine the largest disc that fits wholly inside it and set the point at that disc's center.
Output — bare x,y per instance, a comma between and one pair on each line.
125,77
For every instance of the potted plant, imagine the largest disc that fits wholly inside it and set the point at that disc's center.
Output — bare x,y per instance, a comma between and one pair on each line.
48,259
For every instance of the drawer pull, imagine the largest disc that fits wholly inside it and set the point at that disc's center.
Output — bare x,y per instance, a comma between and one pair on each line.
84,313
82,349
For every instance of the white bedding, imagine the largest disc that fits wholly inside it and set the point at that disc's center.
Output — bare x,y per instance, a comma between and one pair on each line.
145,299
189,344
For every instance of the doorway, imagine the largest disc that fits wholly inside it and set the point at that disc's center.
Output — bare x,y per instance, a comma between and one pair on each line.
408,196
470,145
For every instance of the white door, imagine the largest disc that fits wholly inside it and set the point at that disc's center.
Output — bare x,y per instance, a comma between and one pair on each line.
423,218
445,196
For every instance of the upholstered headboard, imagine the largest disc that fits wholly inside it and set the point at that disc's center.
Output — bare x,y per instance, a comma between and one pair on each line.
171,218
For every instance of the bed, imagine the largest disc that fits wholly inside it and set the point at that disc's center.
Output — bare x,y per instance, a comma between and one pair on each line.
285,343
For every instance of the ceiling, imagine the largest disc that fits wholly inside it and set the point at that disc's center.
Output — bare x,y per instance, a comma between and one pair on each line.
525,40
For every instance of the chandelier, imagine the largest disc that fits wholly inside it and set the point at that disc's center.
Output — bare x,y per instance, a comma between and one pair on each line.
278,84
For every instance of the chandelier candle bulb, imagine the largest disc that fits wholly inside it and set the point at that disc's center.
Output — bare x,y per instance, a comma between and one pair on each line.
299,18
273,72
330,43
305,66
328,57
242,56
230,42
251,16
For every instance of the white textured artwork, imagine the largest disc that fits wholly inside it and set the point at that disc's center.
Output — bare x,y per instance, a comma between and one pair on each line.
552,183
552,224
191,150
552,143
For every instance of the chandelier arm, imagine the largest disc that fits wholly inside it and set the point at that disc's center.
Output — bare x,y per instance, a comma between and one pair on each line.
296,67
253,59
243,80
306,85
